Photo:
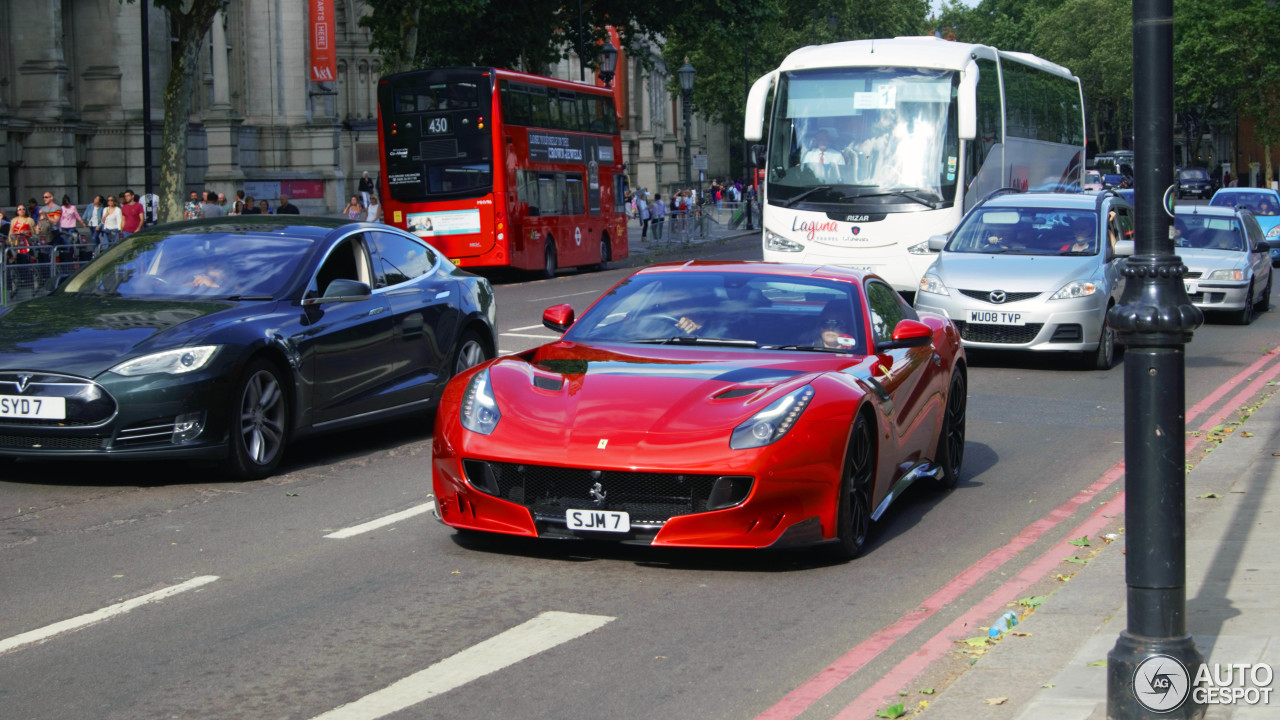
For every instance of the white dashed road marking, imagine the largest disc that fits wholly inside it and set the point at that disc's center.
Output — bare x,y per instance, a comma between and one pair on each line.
106,613
381,522
523,641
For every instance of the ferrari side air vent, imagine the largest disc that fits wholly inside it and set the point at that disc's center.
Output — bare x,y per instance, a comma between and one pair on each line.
737,393
547,383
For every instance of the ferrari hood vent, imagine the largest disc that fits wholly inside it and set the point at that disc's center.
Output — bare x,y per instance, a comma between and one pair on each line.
547,383
738,392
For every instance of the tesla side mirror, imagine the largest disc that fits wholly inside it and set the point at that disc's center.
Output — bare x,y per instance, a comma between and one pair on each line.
1124,248
908,334
558,317
341,290
937,242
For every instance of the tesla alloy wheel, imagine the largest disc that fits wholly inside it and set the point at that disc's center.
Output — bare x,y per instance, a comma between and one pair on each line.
259,422
854,517
469,353
950,453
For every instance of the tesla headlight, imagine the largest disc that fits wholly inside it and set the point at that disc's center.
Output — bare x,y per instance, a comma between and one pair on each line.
774,241
1226,275
479,411
931,283
173,362
771,423
921,248
1078,289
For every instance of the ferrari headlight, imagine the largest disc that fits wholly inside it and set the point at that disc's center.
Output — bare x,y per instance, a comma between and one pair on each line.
1226,275
931,283
774,241
173,362
479,411
771,423
1078,289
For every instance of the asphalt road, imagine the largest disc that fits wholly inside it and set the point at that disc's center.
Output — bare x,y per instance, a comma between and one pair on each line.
269,618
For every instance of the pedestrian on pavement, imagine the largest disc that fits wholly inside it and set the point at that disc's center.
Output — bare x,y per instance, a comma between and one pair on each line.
224,203
354,210
210,207
250,207
111,218
93,218
365,188
264,208
191,208
659,214
21,228
131,215
50,211
375,209
286,207
150,206
68,221
642,206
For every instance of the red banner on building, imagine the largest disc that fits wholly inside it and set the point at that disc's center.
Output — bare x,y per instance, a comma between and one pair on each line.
324,60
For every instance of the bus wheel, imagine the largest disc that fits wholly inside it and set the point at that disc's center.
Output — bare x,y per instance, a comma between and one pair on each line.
549,260
605,254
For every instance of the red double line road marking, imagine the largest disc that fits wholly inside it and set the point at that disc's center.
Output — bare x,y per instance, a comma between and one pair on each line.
830,677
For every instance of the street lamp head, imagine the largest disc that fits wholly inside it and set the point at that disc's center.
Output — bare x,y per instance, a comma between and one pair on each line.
608,62
686,73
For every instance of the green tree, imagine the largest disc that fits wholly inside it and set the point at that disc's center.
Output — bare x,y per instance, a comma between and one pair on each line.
189,22
1103,61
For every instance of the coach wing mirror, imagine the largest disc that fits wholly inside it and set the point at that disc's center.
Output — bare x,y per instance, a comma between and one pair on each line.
753,124
558,317
758,155
937,242
908,334
967,103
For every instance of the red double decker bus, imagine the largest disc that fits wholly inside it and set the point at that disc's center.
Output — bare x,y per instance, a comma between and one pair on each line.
503,169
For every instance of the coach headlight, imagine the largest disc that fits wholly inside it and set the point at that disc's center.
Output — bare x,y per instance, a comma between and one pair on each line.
771,423
479,411
774,241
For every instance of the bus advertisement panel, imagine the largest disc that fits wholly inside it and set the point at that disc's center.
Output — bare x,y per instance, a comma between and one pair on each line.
876,145
503,169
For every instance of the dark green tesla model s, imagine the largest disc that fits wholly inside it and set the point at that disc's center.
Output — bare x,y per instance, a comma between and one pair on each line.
227,338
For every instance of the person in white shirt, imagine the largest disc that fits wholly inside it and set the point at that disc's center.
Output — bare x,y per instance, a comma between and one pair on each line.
822,159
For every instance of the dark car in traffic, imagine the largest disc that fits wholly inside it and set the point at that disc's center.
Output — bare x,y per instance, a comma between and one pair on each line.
1195,182
224,339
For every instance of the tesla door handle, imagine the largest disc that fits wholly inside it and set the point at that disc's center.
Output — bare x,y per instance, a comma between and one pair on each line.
376,311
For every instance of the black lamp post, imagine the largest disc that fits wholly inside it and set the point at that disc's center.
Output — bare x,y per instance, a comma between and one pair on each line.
686,73
608,62
1151,667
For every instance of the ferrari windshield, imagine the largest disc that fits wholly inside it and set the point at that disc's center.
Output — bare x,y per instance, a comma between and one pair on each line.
867,136
726,309
199,265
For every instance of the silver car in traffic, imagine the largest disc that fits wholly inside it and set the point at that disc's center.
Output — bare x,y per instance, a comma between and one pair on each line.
1228,260
1033,271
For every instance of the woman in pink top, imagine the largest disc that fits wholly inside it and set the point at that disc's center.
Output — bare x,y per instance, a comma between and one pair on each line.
68,221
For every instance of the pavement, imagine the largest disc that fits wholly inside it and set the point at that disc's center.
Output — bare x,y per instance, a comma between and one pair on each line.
683,236
1053,665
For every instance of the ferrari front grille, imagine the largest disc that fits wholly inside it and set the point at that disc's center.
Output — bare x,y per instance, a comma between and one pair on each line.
649,498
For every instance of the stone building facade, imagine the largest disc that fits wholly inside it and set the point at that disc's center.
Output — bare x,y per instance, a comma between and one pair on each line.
72,121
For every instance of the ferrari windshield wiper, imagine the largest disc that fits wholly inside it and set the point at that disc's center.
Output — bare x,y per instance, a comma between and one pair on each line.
808,348
694,340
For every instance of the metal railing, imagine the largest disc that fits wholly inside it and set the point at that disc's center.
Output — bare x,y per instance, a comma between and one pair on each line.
33,269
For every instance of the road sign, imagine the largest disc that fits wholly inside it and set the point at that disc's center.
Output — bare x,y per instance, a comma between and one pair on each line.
700,161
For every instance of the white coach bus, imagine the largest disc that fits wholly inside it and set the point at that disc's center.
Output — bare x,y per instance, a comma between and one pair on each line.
875,145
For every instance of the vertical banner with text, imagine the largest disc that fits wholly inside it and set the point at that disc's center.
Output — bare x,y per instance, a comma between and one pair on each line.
324,62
